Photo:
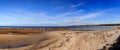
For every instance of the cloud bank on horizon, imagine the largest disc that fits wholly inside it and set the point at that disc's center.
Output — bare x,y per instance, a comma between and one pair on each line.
59,12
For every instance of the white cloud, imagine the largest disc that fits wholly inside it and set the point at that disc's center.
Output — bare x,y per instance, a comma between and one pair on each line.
79,4
42,18
25,17
57,8
91,15
68,14
77,19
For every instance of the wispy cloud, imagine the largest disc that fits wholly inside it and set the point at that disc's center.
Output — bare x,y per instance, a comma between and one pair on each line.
91,15
69,14
58,8
68,7
42,18
79,4
76,19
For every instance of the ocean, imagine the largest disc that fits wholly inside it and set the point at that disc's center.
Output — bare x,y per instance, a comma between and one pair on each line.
92,28
69,27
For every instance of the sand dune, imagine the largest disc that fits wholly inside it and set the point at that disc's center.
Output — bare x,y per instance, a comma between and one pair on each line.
64,40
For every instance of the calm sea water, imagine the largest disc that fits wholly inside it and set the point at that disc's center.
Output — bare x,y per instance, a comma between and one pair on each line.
92,28
69,27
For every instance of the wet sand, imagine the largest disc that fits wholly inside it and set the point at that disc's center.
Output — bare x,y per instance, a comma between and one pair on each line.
61,40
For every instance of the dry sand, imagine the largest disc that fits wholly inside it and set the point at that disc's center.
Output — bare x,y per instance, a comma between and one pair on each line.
61,40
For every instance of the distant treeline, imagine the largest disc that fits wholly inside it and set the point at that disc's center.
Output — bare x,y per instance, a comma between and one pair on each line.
98,25
107,25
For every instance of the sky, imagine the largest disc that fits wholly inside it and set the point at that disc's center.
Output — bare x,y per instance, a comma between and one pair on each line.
59,12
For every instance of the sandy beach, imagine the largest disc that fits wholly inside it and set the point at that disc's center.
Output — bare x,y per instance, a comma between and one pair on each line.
61,40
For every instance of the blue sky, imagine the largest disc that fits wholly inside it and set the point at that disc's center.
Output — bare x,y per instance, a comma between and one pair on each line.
59,12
